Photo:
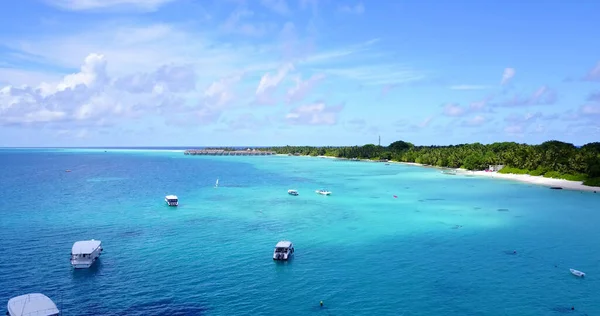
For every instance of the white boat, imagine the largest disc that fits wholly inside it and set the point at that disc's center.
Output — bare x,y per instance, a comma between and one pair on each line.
171,200
31,304
84,253
217,184
283,250
292,192
323,192
577,273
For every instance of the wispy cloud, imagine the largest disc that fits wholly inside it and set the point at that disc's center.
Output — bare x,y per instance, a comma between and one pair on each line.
236,23
248,122
303,88
277,6
542,96
358,8
83,5
593,74
269,83
314,114
475,121
382,74
412,125
591,109
469,87
452,109
355,125
507,76
594,97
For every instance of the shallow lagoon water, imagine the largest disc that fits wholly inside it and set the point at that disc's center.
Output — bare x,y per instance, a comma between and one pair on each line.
444,246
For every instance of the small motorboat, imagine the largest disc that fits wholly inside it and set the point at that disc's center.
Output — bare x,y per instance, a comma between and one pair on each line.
577,273
292,192
323,192
283,250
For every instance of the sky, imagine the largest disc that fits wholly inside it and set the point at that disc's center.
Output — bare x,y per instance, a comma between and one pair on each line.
297,72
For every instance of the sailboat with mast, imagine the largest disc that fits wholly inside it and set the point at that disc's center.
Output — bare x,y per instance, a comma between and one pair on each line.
217,183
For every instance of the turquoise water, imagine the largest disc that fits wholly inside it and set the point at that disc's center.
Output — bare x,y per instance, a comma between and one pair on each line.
442,247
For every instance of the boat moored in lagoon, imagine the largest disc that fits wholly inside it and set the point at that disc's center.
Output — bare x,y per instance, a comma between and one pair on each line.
31,304
283,250
577,273
292,192
323,192
84,253
172,200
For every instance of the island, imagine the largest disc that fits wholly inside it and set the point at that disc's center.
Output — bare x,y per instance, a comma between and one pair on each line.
552,159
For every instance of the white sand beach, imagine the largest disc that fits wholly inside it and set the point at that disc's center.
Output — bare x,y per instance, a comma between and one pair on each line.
539,180
565,184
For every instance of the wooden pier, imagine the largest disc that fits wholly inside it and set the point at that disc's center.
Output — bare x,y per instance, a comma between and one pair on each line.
222,152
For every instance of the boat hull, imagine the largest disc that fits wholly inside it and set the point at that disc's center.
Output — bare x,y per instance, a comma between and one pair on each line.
577,273
83,264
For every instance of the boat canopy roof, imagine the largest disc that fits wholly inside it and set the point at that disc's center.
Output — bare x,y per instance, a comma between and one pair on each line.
33,304
171,197
284,244
85,247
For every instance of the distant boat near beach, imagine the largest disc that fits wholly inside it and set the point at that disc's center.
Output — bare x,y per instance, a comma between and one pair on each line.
323,192
292,192
172,200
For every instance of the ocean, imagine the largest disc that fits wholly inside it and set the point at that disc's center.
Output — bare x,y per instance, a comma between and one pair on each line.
390,240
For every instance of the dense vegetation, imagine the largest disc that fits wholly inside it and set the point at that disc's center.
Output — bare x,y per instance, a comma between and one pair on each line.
551,159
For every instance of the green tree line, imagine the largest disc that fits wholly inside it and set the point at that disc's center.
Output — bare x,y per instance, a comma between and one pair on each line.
553,159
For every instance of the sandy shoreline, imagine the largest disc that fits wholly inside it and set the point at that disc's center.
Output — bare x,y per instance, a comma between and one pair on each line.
539,180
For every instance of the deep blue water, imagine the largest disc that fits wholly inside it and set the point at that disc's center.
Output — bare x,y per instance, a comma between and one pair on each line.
443,247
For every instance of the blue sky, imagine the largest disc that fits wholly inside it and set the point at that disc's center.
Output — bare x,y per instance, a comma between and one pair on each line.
298,72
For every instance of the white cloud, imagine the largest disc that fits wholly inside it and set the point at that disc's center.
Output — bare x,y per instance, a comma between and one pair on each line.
82,5
135,48
236,23
475,121
593,74
169,77
18,77
542,96
91,97
451,109
302,88
514,129
220,93
92,74
358,8
277,6
269,83
508,74
425,122
590,109
314,114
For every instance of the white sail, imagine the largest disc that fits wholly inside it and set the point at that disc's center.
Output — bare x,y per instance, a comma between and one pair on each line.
217,184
